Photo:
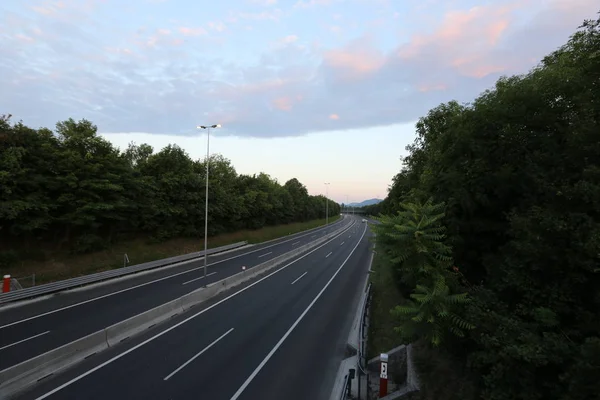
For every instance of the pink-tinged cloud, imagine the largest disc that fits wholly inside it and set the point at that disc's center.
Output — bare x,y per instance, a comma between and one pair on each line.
428,88
283,103
354,61
163,83
496,30
24,38
462,31
218,26
49,7
43,10
312,3
289,39
164,32
264,2
192,31
274,15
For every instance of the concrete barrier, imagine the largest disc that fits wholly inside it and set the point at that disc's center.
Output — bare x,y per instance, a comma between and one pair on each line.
131,326
197,297
27,373
17,378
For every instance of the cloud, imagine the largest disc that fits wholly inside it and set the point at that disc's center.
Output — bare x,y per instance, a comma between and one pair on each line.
313,3
264,3
49,8
283,103
270,15
192,31
357,59
289,39
166,75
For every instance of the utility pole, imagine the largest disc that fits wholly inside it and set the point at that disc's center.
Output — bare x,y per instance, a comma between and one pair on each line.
206,194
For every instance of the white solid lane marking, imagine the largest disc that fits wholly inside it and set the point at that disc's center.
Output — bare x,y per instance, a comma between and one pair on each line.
313,236
123,354
266,254
197,355
341,244
195,279
24,340
274,349
297,279
293,244
147,283
329,254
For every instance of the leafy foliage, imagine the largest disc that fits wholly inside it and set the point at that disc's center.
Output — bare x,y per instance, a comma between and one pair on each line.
71,188
519,172
413,241
431,315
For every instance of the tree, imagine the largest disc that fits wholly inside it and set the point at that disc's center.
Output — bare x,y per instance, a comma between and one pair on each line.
519,171
431,314
72,189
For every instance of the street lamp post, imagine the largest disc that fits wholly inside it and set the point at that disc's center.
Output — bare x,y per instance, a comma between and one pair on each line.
206,194
326,203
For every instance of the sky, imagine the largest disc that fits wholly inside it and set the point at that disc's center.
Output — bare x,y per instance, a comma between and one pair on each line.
319,90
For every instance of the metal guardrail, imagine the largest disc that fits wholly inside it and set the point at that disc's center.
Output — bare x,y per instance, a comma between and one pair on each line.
101,276
344,394
363,322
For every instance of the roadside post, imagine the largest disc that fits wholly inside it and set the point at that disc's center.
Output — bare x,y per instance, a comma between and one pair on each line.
6,284
383,376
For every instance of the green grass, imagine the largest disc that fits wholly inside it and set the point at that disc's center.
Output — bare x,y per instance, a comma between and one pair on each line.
62,265
385,297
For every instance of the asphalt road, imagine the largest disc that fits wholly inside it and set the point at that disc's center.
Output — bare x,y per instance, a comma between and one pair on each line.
279,337
37,327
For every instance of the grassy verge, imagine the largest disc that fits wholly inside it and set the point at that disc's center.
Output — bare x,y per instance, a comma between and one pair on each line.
63,265
385,297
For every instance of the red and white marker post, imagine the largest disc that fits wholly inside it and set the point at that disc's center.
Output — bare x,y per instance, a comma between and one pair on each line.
383,375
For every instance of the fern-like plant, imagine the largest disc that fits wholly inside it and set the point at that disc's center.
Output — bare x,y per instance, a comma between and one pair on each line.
413,240
432,313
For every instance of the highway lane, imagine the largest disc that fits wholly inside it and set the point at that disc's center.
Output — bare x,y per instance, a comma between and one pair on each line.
224,349
42,326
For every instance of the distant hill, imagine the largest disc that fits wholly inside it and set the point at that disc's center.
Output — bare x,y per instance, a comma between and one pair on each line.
365,203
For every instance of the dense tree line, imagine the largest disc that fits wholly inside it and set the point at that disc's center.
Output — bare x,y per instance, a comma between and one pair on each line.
493,226
73,189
